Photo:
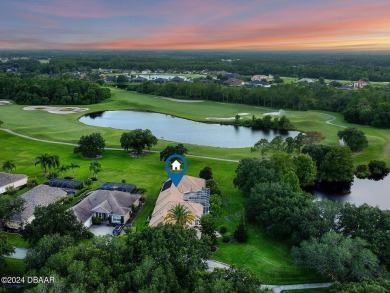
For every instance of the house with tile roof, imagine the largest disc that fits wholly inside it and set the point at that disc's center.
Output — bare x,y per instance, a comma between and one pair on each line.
359,84
41,195
191,193
14,180
112,206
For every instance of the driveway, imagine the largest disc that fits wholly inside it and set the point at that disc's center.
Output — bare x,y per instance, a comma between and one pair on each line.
101,230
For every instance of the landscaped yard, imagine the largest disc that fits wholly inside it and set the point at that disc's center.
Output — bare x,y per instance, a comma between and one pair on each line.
149,173
15,267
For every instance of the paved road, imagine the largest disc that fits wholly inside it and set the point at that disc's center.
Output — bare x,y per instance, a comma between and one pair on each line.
112,149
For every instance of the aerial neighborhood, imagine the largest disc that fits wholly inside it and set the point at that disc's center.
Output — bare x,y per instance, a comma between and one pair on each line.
233,172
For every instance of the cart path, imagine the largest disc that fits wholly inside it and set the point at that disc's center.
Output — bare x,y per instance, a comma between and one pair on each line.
330,121
111,149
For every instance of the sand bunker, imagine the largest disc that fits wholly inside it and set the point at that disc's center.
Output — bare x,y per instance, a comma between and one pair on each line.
180,101
279,113
56,110
3,103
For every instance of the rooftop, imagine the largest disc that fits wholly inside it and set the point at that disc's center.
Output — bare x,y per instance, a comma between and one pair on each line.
104,201
41,195
7,178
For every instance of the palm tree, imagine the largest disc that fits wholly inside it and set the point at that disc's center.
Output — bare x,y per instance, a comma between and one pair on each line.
8,166
73,166
62,169
54,162
44,160
95,167
179,214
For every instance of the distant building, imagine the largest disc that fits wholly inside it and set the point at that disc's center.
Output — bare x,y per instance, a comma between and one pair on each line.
261,77
14,180
307,80
258,83
139,79
359,84
233,82
191,193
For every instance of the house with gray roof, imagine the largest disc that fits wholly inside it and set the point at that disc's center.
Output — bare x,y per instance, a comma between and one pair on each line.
41,195
109,205
14,180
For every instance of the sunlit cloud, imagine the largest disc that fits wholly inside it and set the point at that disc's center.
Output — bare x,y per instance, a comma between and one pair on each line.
213,24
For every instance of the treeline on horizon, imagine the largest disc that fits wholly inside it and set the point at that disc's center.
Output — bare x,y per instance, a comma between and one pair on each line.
368,106
342,66
50,91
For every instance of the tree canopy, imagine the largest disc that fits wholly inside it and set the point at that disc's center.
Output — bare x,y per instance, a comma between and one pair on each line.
90,146
170,150
354,138
138,140
53,219
338,257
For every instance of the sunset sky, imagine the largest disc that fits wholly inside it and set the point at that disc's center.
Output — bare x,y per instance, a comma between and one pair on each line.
196,24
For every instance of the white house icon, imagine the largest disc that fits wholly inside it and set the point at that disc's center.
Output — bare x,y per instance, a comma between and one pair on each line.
176,166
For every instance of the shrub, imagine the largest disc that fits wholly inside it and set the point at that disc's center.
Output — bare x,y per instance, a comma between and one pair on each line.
213,185
123,180
241,235
11,190
96,221
222,229
32,182
226,238
206,173
378,169
362,171
88,182
94,178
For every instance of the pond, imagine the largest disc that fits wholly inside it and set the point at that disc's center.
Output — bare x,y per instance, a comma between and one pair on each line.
182,130
374,193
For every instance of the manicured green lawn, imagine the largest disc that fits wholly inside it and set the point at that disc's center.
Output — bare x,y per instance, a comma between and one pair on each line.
268,258
15,267
17,240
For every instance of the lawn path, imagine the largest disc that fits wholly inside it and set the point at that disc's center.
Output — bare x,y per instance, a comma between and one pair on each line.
330,121
111,149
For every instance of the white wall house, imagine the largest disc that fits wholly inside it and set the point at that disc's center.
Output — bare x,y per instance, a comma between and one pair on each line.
15,180
111,206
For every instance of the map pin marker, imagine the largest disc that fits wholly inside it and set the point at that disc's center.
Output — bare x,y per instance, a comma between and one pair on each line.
176,167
